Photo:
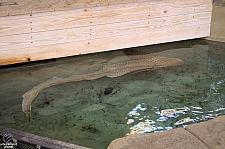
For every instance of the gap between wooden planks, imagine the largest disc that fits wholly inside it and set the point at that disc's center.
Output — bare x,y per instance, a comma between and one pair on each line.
99,45
99,15
103,31
97,29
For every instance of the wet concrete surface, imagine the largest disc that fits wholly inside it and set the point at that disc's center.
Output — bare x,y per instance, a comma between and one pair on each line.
204,135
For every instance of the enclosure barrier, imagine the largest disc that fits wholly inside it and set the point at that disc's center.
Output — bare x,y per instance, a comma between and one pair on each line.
36,30
11,138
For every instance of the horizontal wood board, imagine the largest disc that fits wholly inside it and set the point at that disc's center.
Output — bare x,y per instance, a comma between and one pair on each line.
20,7
99,15
86,30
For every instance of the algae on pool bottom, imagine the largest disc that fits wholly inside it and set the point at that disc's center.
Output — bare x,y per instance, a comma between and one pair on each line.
84,114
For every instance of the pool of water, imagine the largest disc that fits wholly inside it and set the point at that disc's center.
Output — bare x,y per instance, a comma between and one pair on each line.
93,113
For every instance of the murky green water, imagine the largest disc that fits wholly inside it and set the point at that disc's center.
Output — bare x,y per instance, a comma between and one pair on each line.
93,113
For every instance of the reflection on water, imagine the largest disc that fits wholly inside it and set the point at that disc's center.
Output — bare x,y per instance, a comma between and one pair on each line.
93,113
180,116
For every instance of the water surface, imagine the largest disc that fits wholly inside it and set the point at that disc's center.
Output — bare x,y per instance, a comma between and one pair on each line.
93,113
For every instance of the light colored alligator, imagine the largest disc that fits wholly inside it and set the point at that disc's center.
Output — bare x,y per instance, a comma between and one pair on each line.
138,62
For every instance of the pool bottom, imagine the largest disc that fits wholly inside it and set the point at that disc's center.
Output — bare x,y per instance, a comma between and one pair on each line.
81,113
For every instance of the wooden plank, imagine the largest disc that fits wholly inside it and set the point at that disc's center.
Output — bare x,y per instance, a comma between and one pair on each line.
98,15
15,27
19,7
55,34
16,6
95,45
162,4
35,140
102,31
133,3
50,22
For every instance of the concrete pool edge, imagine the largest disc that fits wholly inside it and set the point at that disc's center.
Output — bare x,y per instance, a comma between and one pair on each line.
205,135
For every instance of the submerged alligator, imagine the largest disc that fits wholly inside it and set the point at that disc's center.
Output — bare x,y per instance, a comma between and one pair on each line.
139,62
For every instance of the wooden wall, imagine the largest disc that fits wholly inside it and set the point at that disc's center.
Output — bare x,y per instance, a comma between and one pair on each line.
38,36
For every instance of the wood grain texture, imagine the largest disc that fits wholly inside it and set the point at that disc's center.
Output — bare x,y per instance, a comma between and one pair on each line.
98,15
19,7
99,45
118,24
102,31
